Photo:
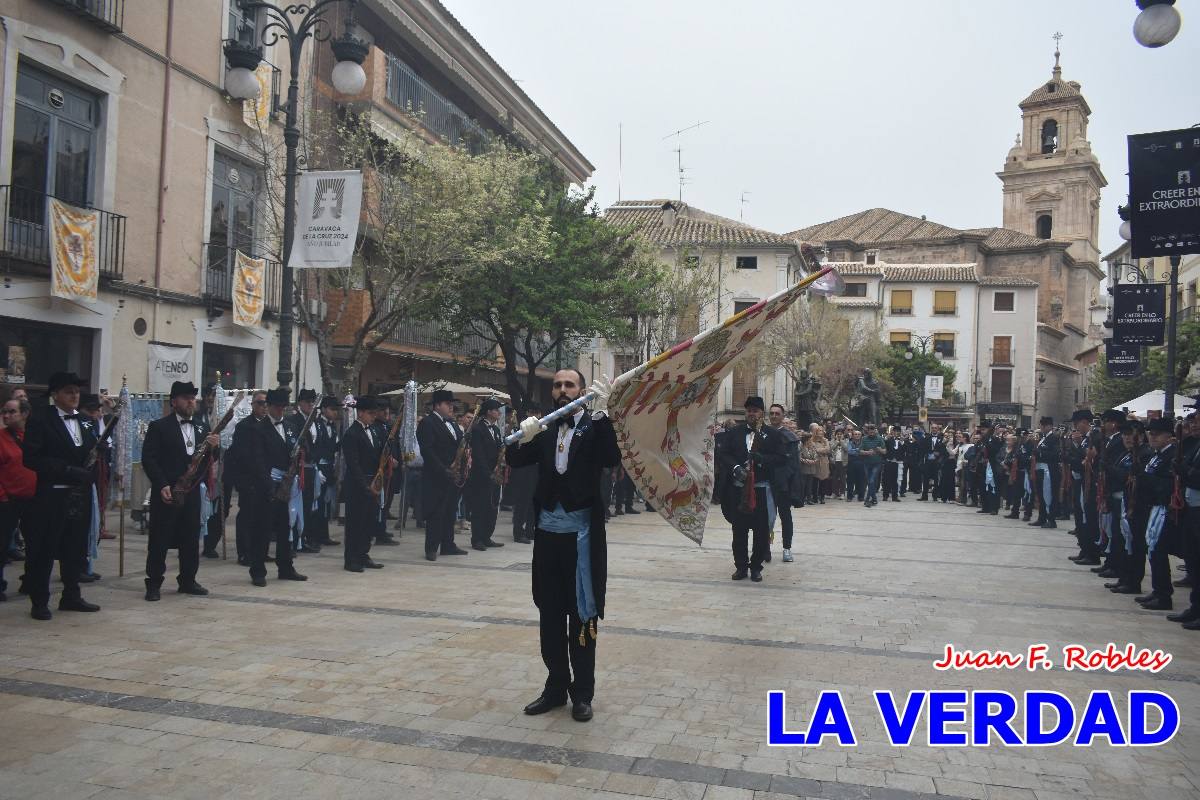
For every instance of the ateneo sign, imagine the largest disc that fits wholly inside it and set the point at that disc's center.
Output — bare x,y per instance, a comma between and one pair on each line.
1139,313
1164,193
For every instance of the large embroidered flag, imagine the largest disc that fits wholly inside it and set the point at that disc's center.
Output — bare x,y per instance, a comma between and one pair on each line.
663,412
74,260
248,276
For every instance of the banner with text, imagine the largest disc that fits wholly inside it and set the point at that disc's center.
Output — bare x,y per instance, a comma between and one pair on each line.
1139,313
169,363
249,275
328,208
933,387
1164,193
1122,361
74,258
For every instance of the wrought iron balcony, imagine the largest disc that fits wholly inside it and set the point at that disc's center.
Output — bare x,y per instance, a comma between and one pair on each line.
432,336
25,241
218,278
408,91
106,14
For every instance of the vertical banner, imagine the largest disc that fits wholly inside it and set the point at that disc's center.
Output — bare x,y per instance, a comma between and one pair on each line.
933,387
169,363
257,111
249,275
328,205
1164,193
1139,313
74,262
1123,362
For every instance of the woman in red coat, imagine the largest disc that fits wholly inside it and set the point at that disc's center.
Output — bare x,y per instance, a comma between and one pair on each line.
17,484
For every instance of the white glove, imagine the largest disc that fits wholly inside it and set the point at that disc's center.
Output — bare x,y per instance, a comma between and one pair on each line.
530,428
601,389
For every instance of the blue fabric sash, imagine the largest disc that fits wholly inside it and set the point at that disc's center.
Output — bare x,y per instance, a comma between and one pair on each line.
579,523
94,533
1154,528
772,511
1126,531
1047,486
989,480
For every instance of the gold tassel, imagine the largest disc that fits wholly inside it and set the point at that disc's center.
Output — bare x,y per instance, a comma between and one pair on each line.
583,634
593,629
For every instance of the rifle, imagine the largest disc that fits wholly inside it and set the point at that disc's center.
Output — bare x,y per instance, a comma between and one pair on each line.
743,475
460,467
1177,503
284,492
376,486
188,480
94,453
503,472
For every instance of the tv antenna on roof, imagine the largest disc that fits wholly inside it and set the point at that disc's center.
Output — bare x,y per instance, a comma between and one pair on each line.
679,153
742,210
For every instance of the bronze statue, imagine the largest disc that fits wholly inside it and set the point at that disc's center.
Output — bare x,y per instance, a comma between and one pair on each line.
869,393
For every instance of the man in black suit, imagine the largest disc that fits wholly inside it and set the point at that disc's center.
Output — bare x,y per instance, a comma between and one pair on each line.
482,493
236,478
323,443
521,484
762,445
305,400
379,433
933,453
175,522
439,435
57,442
361,447
271,444
1048,475
570,554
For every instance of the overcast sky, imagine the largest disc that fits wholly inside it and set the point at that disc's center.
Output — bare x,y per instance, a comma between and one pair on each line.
819,109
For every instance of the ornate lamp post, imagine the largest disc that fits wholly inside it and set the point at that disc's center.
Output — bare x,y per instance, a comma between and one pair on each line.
924,342
295,23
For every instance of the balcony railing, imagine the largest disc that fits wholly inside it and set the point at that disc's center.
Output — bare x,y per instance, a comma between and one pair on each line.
1187,314
407,90
218,278
106,14
26,237
432,336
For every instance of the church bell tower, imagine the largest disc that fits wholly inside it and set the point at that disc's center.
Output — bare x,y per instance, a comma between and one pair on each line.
1051,178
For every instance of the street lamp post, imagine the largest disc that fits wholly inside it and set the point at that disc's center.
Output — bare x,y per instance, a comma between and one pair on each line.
1172,312
924,342
295,23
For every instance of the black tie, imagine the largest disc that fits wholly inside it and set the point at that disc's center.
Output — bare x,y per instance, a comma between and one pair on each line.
568,421
187,422
70,416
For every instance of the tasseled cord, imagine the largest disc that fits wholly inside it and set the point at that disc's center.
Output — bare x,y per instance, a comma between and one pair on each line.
585,629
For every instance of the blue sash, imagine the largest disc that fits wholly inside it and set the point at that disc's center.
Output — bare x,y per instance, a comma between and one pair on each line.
1154,528
578,523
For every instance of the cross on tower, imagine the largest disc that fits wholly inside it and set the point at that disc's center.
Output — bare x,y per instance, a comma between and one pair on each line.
1057,37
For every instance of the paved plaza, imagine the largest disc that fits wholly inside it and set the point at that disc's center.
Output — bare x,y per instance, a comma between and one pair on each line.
409,682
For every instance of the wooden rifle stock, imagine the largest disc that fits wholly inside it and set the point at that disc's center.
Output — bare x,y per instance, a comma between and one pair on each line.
188,480
460,467
376,486
502,472
284,492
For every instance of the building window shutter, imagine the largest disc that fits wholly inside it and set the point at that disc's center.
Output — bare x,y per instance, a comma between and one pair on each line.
944,343
945,302
900,339
901,301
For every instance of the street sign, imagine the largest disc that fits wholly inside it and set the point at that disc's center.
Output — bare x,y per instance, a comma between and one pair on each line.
1164,193
1139,313
933,387
1122,361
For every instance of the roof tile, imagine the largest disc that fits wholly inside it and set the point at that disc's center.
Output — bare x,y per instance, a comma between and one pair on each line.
692,226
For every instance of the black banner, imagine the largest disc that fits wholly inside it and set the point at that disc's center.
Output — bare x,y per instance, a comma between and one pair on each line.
1164,193
1123,362
1139,313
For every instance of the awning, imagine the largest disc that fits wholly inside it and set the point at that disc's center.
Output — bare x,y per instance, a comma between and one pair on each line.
1153,400
459,390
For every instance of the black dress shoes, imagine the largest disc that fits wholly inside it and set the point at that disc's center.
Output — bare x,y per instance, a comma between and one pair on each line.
522,540
76,604
1127,589
455,551
293,576
756,575
369,564
211,554
1159,604
1106,572
1194,625
386,541
259,581
309,549
581,712
41,612
1049,524
1187,615
1146,598
542,705
478,546
740,575
1113,585
493,543
353,567
1088,561
194,589
1183,583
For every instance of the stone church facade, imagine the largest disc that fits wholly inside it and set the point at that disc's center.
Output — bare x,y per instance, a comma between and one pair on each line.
1051,184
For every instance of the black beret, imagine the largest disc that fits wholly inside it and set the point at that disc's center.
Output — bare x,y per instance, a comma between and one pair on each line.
278,397
307,395
754,401
60,380
366,403
442,396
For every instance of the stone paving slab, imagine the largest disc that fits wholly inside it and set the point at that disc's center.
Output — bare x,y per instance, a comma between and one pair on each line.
410,680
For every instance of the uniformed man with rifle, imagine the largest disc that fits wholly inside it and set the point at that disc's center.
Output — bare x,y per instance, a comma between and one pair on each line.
274,455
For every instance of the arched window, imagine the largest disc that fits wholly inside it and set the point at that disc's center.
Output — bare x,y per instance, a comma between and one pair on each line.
1045,226
1049,136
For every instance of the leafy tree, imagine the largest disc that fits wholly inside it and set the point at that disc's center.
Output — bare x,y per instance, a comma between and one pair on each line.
675,306
586,278
903,379
430,215
1109,392
833,346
